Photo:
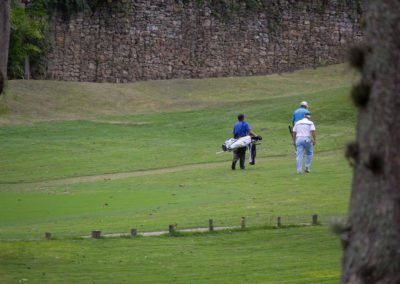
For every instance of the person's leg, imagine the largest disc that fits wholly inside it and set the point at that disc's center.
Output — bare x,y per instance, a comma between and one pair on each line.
252,153
242,157
235,159
309,155
299,155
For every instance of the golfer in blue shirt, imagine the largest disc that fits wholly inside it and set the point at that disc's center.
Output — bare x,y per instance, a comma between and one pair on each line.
241,129
299,113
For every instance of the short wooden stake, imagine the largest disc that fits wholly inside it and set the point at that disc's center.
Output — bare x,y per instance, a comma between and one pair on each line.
279,223
171,228
96,234
243,223
47,236
210,224
314,220
133,232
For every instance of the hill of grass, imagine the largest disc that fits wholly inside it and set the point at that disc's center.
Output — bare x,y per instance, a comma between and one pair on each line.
32,101
80,156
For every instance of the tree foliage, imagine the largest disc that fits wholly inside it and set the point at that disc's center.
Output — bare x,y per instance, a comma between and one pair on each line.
28,28
29,25
69,7
66,7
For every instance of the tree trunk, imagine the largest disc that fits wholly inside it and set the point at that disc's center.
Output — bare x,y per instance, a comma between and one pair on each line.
371,239
4,35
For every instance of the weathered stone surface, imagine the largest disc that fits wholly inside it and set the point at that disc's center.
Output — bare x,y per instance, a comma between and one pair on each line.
136,40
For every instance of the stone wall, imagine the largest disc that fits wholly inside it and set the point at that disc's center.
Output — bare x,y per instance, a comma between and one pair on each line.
132,40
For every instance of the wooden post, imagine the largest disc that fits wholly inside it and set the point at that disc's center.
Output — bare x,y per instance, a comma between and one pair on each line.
47,236
133,232
279,223
171,228
210,224
96,234
243,223
314,220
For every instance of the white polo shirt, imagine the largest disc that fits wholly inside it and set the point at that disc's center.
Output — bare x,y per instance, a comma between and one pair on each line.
304,127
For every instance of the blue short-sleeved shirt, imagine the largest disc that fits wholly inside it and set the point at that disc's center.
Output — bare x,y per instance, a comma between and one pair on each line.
298,114
240,129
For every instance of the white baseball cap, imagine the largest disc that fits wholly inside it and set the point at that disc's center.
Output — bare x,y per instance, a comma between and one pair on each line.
304,103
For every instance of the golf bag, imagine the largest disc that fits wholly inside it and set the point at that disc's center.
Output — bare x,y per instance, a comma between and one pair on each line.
232,144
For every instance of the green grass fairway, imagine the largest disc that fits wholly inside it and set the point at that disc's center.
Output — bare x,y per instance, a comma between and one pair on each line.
76,157
293,255
153,201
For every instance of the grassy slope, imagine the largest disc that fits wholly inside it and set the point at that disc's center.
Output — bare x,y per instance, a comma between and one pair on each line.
29,101
156,125
105,144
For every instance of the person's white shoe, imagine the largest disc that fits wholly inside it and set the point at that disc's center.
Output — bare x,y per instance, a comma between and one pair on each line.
307,170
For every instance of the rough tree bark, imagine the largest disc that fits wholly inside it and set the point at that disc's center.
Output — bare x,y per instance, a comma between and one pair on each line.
4,35
371,239
1,83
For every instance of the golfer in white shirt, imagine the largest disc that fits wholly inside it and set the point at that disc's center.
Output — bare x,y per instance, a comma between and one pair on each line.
304,138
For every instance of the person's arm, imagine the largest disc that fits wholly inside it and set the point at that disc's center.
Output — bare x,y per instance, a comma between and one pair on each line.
249,131
294,137
313,133
314,136
252,133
